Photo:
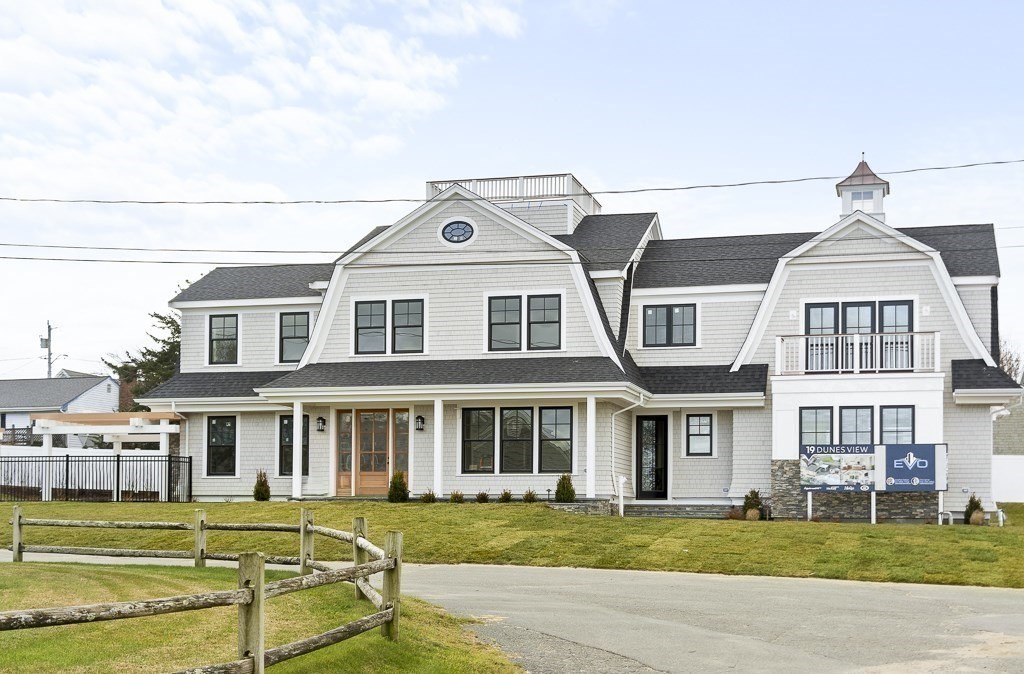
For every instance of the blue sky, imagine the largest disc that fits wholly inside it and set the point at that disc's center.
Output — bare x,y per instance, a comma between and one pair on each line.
239,99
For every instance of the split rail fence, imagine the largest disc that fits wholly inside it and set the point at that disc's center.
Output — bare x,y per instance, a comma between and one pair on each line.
252,592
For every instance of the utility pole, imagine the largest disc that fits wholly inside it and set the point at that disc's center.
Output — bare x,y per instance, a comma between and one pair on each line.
47,343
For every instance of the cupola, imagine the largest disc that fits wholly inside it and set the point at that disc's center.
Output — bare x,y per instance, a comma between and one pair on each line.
863,191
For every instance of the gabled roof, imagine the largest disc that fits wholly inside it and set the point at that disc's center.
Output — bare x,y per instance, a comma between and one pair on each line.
257,282
966,250
862,175
976,375
65,374
211,385
28,394
366,239
608,241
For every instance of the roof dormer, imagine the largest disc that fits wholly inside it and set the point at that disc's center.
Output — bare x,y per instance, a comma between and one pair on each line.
863,191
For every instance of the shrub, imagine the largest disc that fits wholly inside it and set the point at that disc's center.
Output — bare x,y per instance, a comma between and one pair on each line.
529,496
752,501
457,497
753,515
482,497
261,490
428,496
973,506
734,513
506,496
564,491
398,491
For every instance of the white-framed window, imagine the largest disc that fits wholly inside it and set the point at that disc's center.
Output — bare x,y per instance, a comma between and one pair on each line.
524,321
221,446
863,200
458,231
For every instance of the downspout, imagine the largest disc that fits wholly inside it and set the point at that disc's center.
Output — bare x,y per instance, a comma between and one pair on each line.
615,486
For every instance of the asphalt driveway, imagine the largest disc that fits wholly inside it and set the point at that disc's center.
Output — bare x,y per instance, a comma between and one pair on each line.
587,620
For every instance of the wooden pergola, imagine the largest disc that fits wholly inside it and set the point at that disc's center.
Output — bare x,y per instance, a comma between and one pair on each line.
115,427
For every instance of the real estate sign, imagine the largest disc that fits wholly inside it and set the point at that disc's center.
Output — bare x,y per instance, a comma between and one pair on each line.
911,467
837,468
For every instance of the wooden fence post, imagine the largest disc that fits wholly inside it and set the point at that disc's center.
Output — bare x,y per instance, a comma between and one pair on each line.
250,616
305,541
359,556
393,584
16,534
199,547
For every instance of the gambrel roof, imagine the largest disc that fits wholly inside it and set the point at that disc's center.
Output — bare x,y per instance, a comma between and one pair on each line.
608,241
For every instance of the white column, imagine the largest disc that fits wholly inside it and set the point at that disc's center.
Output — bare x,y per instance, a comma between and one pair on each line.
297,450
438,447
591,446
165,439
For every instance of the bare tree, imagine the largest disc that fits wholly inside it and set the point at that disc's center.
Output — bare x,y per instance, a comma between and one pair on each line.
1010,360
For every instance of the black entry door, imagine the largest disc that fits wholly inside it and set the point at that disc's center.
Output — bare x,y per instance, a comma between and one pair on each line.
652,457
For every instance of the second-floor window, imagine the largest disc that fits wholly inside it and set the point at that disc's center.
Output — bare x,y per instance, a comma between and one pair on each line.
543,322
670,325
224,339
407,326
395,326
294,336
505,323
371,327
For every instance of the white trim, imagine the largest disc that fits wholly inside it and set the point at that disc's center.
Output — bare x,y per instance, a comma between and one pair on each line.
591,446
524,311
992,396
389,300
735,289
320,286
462,244
975,280
705,400
208,317
324,319
641,327
956,304
432,391
238,444
277,336
229,305
439,446
609,273
684,436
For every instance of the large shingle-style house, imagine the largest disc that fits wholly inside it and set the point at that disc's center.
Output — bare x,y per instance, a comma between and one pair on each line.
506,331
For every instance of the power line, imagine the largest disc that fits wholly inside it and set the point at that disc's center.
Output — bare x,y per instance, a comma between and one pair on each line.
392,200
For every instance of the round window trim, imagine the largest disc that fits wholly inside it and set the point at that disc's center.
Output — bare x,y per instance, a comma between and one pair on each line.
447,228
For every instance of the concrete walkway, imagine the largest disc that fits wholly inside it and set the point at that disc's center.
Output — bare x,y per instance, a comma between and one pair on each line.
555,621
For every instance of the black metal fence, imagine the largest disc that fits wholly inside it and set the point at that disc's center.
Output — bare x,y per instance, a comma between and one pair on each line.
96,478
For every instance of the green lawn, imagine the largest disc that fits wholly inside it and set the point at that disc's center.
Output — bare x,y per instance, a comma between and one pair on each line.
431,641
535,535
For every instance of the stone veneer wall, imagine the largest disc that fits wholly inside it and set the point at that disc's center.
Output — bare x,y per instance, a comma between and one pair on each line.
790,502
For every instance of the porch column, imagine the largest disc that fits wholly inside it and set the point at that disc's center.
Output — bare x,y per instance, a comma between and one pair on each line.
165,439
297,450
591,446
438,447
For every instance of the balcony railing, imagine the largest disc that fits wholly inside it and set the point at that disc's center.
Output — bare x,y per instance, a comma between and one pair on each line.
521,188
857,353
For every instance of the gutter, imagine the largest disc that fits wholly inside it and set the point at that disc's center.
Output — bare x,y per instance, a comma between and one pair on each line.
615,488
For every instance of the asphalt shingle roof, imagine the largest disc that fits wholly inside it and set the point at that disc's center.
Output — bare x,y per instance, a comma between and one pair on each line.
366,239
967,250
244,283
697,379
975,374
212,385
607,241
21,394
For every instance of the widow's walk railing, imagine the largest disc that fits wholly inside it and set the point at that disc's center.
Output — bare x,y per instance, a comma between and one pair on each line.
520,188
857,353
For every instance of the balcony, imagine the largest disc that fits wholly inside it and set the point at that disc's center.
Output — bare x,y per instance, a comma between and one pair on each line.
524,188
857,353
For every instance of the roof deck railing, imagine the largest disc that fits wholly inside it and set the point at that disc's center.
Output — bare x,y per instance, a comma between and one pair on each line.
857,353
524,188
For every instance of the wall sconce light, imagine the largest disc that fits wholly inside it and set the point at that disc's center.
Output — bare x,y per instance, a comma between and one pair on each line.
421,423
321,424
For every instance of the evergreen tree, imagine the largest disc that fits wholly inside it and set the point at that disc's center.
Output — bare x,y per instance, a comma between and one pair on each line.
152,365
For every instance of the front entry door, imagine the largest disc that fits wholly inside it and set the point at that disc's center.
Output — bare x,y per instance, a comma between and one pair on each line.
371,461
652,457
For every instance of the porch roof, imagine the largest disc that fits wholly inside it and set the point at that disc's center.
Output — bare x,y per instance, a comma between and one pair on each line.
705,379
212,385
976,375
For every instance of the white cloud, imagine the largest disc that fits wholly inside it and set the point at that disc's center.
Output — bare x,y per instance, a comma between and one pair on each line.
462,17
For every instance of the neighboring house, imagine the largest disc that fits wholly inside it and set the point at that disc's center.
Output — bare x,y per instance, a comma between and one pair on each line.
20,398
506,332
1008,459
68,374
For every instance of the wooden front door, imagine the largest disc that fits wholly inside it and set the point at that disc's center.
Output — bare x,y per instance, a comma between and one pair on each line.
372,448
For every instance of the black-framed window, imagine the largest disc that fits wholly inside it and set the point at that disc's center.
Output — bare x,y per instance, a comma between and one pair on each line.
224,339
556,439
407,326
517,440
478,440
221,446
897,424
294,329
670,325
815,425
544,325
371,327
699,435
856,425
504,331
284,447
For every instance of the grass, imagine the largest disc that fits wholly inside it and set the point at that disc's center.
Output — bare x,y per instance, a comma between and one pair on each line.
431,641
531,534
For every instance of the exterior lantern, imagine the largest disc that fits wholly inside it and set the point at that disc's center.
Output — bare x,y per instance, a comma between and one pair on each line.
421,423
321,424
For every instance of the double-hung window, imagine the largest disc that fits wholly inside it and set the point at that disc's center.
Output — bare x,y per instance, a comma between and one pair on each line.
478,440
504,323
224,339
897,425
670,325
284,451
407,326
405,333
371,327
815,425
294,331
517,440
555,439
698,435
856,425
221,446
545,322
